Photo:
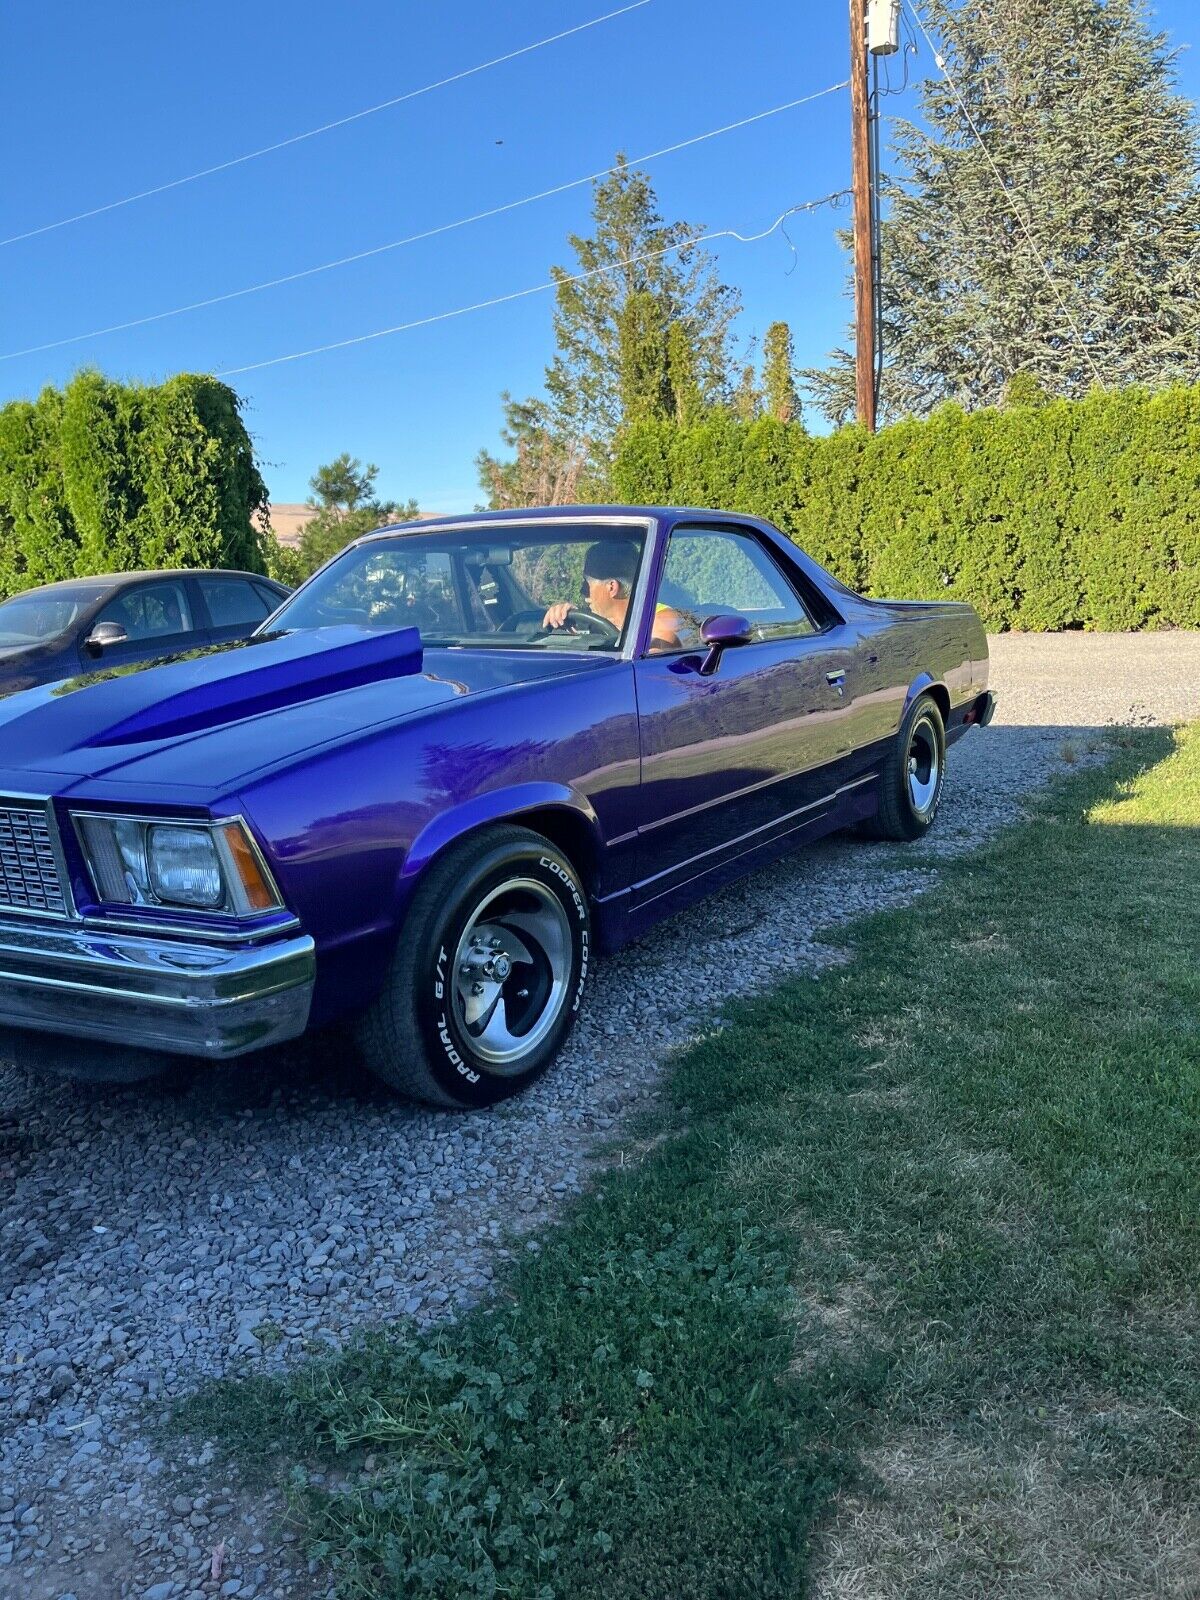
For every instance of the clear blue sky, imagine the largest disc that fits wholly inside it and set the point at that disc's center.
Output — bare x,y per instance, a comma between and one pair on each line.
100,101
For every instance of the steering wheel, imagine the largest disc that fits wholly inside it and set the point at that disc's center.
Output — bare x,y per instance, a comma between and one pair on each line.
587,620
331,615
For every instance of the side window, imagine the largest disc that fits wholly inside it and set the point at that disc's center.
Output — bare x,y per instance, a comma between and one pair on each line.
156,611
232,602
710,571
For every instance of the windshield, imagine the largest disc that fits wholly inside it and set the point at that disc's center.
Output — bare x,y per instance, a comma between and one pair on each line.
511,587
44,614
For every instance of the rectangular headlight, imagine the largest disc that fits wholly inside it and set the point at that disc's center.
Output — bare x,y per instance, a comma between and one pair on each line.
196,866
184,869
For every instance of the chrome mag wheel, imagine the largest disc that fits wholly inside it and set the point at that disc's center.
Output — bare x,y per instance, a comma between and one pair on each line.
510,972
924,765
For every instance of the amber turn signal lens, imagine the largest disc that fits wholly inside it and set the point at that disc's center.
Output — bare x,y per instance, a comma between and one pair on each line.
259,894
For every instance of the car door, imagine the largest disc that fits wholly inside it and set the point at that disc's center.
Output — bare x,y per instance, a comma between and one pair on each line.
158,617
733,758
235,604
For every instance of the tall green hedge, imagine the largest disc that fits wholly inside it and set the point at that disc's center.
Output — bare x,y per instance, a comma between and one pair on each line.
110,477
1066,514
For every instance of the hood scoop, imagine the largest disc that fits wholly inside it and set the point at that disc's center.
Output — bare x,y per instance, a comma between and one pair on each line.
268,673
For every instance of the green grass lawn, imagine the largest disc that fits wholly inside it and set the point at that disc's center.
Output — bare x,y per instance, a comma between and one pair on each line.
896,1296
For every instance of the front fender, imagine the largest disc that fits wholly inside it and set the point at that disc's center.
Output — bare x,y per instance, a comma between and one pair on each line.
510,804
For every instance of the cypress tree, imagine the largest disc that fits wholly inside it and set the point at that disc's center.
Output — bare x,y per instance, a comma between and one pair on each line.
1075,103
103,476
643,384
747,396
687,401
779,374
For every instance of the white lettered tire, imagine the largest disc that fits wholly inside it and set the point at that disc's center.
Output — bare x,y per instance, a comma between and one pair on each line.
489,972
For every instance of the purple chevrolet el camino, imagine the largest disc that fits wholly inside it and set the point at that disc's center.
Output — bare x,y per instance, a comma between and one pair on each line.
466,758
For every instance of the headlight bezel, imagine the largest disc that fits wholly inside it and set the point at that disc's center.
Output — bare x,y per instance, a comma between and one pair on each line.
249,889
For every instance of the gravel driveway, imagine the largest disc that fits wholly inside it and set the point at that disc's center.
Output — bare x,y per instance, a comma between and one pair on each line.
152,1236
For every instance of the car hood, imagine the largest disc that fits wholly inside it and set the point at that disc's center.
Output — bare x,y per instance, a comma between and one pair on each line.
195,725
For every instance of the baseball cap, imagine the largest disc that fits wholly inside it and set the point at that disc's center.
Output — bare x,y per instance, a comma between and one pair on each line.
612,558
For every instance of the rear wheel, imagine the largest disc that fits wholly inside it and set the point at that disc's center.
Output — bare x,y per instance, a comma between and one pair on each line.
488,974
910,784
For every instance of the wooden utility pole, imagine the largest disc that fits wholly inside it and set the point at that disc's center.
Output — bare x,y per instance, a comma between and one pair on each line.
864,255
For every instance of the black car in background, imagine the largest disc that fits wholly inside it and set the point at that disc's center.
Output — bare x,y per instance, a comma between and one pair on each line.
63,629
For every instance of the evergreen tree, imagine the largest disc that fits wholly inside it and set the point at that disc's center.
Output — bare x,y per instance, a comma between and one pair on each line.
101,476
583,381
1076,104
647,328
343,495
644,386
779,374
687,401
546,468
747,397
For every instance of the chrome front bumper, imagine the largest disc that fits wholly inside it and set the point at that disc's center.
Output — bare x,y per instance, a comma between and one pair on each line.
147,994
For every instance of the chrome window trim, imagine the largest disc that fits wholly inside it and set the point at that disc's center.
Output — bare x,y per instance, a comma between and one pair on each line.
44,803
149,819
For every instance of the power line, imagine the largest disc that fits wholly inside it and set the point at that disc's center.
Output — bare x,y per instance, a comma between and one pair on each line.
537,288
311,133
415,238
1012,205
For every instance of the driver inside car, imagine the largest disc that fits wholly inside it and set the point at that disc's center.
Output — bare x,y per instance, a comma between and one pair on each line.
609,569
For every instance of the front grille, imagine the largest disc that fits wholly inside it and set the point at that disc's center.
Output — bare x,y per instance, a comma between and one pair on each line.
29,875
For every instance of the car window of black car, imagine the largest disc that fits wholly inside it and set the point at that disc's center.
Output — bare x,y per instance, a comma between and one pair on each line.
35,618
715,571
271,598
156,611
233,602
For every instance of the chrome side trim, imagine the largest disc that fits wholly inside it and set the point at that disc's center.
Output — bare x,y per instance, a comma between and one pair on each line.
777,824
752,788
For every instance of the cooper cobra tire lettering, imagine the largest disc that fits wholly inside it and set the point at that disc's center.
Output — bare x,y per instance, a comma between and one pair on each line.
583,970
553,866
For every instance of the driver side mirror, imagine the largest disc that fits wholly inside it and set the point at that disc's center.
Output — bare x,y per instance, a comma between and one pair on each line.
719,634
103,635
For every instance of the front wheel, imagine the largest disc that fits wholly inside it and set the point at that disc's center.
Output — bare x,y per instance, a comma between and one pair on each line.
488,975
910,783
